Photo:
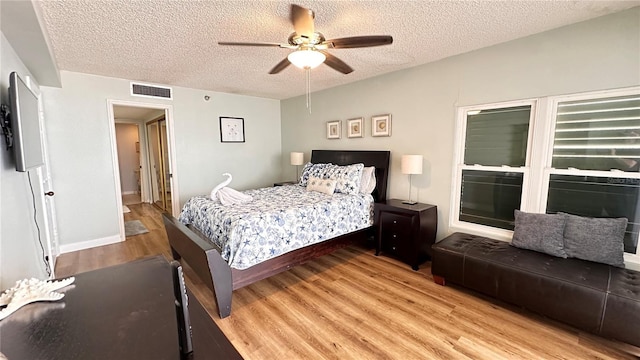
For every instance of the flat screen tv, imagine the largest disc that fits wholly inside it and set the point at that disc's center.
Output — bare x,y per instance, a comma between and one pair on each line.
25,125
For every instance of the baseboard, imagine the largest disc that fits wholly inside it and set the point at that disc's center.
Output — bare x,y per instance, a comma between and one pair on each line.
89,244
129,192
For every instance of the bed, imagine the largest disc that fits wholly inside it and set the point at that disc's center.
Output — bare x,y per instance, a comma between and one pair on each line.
207,259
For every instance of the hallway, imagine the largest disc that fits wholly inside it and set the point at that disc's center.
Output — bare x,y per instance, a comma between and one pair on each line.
131,199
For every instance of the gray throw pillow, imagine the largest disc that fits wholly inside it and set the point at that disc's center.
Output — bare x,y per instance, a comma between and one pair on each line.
595,239
540,232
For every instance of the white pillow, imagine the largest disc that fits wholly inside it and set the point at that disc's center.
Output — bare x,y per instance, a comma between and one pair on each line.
327,186
368,180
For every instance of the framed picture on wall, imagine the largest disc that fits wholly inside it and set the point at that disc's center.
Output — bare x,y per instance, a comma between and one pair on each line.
354,128
231,129
381,125
333,129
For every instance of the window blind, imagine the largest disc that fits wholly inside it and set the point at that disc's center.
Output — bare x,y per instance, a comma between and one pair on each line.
598,134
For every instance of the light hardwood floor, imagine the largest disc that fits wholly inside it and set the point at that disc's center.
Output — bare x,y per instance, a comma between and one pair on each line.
354,305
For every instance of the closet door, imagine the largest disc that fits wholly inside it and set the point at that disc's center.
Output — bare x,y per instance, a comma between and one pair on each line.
159,164
155,164
166,171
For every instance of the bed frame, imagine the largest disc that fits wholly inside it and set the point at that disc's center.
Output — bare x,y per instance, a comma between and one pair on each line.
204,257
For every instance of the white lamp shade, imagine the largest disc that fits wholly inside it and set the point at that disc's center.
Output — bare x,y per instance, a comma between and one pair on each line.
411,164
306,59
297,158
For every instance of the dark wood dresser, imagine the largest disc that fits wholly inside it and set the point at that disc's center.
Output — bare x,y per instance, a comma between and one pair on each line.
121,312
406,231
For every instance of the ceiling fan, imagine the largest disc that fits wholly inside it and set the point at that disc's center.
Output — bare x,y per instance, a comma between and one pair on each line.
310,46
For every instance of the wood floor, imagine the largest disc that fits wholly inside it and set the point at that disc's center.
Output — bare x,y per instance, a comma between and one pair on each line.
354,305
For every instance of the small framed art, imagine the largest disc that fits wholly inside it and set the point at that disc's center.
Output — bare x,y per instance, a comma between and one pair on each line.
354,128
381,125
231,129
333,129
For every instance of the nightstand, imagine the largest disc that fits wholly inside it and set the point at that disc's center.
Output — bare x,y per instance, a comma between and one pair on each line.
284,183
406,231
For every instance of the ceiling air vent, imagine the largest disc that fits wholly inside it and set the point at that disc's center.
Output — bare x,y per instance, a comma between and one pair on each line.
153,91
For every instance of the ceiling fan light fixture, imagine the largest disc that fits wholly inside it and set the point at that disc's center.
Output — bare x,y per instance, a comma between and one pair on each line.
306,59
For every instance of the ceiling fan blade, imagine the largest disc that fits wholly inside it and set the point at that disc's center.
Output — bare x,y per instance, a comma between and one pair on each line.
248,44
280,66
337,64
302,20
359,41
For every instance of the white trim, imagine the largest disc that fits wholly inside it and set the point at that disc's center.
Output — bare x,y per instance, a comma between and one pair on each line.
168,110
458,158
44,179
173,161
482,230
129,192
116,169
90,244
48,233
459,165
632,261
596,94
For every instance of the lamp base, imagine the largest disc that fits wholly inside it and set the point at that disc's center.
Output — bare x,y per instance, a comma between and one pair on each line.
409,202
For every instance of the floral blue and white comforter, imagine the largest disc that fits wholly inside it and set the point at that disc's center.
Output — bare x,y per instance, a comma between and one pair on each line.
278,220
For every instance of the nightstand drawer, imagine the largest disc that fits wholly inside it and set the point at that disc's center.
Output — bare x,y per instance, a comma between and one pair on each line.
395,246
396,231
395,226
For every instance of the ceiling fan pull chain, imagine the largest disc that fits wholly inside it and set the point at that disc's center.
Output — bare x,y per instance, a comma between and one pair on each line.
308,71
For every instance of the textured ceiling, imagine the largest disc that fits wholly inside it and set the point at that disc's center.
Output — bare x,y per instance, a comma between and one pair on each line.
175,42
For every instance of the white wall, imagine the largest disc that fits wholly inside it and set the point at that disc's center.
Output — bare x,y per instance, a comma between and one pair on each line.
128,157
20,253
80,148
602,53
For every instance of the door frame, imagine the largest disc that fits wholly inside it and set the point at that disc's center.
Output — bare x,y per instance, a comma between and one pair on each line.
168,112
50,222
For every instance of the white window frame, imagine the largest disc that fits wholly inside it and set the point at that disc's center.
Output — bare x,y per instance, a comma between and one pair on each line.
459,166
537,170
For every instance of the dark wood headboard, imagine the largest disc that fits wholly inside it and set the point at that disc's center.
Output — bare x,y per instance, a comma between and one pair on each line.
379,159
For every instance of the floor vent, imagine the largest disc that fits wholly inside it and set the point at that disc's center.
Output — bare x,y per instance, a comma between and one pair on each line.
153,91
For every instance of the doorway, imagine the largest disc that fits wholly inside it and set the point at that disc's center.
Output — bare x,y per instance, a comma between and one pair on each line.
159,169
164,191
129,161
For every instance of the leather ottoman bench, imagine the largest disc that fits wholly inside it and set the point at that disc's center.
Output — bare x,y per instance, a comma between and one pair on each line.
598,298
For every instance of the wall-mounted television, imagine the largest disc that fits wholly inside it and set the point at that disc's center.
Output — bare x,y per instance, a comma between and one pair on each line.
25,125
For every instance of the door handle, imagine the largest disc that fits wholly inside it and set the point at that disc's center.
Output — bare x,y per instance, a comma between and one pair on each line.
49,193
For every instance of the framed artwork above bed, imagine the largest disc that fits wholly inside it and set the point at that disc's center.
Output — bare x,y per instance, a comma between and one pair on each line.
354,128
334,129
381,125
231,129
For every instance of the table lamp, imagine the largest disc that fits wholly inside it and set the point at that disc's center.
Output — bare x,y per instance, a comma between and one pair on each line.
297,159
411,164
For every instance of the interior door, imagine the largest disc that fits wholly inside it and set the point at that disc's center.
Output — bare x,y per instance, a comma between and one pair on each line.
159,164
45,195
166,171
154,163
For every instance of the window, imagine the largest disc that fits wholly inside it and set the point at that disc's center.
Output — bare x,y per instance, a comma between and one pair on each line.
493,164
582,156
596,158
